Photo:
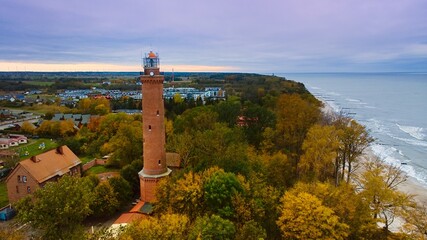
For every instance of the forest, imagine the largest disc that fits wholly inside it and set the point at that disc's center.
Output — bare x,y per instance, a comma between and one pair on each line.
286,170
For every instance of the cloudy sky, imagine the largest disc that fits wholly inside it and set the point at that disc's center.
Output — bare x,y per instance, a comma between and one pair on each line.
264,36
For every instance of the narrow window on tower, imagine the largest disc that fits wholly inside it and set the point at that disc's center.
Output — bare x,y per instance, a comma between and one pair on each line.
158,113
149,127
159,163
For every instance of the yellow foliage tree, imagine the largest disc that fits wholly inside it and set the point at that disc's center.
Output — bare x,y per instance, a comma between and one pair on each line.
320,151
27,127
168,226
304,217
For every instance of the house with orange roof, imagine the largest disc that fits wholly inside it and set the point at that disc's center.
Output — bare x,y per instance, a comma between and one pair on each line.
33,173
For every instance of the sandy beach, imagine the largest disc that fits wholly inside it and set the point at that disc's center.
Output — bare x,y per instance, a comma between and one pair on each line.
411,186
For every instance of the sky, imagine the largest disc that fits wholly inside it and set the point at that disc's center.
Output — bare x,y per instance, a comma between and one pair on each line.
259,36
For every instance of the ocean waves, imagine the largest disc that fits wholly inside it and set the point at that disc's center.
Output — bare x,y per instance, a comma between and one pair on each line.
416,132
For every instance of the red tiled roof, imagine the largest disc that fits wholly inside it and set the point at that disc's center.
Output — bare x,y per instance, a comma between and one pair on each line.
51,163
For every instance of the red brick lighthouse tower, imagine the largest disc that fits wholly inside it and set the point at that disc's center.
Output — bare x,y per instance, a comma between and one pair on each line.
153,128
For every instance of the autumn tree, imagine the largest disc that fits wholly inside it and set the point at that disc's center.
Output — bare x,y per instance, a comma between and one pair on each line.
58,209
167,226
416,221
349,206
126,145
28,127
279,170
94,106
185,196
354,139
320,151
303,216
378,184
104,201
295,116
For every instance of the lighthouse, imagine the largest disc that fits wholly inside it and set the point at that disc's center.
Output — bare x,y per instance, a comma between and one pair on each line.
154,138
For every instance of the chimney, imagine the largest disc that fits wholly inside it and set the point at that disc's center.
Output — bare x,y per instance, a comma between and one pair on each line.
60,150
35,159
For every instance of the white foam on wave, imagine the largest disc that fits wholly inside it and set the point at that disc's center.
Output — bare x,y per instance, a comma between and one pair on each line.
353,100
416,132
388,155
377,126
370,107
411,141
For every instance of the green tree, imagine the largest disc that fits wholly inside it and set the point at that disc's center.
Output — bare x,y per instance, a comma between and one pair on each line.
58,209
130,174
126,145
212,228
258,119
122,190
219,190
104,201
303,216
251,230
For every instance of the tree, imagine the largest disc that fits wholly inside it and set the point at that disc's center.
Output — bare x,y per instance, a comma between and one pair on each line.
27,128
320,150
251,230
122,190
219,190
126,145
378,185
354,139
257,119
279,170
416,221
212,228
104,201
183,196
196,119
57,209
167,226
295,116
130,174
304,217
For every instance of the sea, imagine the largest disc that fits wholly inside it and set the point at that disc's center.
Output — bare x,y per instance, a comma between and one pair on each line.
392,106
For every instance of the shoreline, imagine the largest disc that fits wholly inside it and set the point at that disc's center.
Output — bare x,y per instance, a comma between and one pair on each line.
411,186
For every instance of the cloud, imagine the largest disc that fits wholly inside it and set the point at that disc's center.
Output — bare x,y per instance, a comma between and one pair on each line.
255,36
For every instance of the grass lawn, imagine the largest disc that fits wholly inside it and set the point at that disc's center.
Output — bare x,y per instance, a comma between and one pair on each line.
100,169
32,147
86,159
40,83
3,194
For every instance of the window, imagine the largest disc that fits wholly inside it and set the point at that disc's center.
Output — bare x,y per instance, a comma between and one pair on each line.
28,189
158,113
24,178
149,127
17,189
159,162
19,178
